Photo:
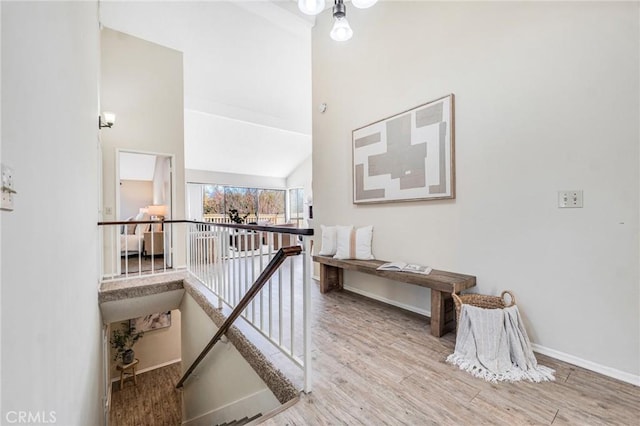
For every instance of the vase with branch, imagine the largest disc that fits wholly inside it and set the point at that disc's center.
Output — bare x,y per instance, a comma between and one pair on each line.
122,340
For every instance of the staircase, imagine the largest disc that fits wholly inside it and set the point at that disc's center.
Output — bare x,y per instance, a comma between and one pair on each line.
241,422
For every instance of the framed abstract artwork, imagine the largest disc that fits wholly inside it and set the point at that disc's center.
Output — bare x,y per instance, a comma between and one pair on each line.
151,322
406,157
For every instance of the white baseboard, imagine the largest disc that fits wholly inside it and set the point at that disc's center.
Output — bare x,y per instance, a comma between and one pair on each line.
589,365
388,301
153,367
315,277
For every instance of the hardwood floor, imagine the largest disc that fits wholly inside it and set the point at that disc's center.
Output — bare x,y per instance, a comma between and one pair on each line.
379,365
132,264
153,402
374,364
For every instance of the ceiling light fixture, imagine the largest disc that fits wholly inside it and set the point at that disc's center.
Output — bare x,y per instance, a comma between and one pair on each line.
311,7
363,4
341,31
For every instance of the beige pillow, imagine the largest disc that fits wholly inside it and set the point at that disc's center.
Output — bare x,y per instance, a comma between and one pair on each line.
354,243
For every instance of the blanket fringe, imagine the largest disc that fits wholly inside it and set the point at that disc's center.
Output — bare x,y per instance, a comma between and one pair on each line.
537,374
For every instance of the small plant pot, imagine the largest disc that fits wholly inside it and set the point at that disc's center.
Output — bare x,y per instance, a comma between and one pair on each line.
127,356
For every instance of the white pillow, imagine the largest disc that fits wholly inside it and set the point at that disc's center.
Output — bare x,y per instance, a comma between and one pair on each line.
328,247
129,229
142,227
354,243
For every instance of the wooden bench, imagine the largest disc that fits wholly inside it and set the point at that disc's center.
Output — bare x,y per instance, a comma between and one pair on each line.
441,283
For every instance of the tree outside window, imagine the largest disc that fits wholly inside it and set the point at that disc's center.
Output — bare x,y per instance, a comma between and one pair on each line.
257,204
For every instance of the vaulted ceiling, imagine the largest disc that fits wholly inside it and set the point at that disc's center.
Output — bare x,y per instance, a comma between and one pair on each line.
247,78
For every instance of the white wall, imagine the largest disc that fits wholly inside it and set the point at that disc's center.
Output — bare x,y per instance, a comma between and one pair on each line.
162,181
142,83
156,348
247,79
51,338
203,393
1,214
134,194
547,98
301,176
195,202
235,179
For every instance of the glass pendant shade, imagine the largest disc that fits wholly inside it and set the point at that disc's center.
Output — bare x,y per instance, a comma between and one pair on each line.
311,7
363,4
341,30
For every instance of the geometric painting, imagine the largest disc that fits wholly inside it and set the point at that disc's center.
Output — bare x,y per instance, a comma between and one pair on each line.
409,156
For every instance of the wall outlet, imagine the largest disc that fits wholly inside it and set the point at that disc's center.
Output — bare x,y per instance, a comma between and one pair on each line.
570,199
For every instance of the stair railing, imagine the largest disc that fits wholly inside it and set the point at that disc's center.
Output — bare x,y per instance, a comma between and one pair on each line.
263,278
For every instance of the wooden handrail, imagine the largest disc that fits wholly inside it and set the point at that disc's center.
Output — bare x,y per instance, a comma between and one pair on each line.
265,228
270,269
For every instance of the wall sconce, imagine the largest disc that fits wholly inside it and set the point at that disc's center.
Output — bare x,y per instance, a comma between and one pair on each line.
109,120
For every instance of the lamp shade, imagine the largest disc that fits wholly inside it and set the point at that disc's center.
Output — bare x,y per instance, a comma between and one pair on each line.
311,7
341,30
157,210
363,4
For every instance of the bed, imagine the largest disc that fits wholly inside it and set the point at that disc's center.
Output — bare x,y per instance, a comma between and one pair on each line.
132,236
131,244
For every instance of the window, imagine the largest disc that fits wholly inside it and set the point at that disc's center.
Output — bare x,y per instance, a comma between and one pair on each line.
213,200
296,206
255,203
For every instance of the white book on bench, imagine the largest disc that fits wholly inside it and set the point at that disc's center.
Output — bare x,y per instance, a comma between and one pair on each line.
404,267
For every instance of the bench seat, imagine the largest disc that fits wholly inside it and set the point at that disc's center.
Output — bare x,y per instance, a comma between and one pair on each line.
441,283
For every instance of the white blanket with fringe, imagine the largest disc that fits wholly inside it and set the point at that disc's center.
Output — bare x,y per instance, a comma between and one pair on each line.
493,345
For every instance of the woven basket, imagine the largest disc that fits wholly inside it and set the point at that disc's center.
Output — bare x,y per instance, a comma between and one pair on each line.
482,301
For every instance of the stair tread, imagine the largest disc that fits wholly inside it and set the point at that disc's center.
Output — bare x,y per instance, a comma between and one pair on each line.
242,421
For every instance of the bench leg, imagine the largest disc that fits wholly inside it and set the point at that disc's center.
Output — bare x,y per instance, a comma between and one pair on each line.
442,313
330,278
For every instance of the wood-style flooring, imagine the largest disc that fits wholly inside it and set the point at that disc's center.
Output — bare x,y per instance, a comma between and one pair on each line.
374,364
153,402
144,264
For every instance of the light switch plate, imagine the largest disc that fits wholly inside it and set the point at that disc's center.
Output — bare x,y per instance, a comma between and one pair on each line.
570,199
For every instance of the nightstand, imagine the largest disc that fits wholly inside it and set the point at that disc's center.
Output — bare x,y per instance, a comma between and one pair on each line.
153,242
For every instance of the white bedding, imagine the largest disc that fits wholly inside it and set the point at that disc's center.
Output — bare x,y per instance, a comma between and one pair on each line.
131,243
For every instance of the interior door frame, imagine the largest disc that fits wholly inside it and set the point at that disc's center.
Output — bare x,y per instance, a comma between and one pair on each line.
168,257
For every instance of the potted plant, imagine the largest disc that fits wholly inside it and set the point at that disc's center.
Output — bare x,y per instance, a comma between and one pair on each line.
235,216
122,340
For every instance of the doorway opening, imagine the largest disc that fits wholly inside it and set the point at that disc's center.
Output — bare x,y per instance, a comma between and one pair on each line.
144,192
